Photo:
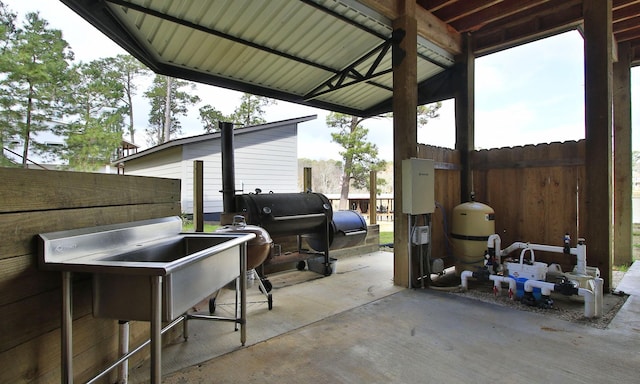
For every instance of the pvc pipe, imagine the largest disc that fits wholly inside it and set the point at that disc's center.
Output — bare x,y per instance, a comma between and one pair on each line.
540,247
581,264
463,279
494,242
589,302
598,284
546,288
497,280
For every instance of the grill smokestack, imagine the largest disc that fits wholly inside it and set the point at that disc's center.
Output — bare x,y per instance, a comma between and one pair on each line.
228,167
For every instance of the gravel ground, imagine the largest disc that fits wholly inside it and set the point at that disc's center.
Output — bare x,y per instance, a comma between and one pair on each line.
569,309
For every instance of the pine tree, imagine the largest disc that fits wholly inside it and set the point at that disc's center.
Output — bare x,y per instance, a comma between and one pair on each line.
36,73
179,102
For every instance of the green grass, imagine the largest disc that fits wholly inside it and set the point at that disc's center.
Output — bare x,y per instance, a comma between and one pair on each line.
386,237
622,268
187,226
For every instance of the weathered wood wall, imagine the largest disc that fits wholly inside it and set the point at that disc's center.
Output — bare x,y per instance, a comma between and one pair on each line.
447,196
37,201
537,193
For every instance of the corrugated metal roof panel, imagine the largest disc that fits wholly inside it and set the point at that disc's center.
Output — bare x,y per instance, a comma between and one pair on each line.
250,42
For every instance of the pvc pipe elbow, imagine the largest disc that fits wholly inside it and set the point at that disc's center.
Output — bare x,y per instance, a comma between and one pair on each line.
463,279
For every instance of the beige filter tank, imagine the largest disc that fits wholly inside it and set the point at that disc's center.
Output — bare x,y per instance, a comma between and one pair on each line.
471,226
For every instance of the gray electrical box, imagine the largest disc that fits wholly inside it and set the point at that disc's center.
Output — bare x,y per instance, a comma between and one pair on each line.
418,186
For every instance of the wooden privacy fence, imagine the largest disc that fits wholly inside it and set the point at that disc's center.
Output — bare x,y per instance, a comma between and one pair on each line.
37,201
535,191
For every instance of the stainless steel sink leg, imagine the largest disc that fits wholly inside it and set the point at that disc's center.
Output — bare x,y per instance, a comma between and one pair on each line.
243,293
156,329
66,330
185,327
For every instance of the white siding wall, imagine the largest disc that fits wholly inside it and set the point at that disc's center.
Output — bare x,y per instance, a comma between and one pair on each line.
209,153
165,164
265,159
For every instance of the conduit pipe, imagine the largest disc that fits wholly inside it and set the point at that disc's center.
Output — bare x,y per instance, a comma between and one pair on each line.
590,297
497,280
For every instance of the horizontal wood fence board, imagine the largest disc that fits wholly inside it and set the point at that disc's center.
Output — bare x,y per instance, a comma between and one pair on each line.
29,318
20,278
95,340
24,190
19,229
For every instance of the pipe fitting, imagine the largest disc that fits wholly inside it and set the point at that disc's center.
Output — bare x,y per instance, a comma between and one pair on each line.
464,276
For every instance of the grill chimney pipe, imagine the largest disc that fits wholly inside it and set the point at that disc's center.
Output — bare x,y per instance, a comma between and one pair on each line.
228,167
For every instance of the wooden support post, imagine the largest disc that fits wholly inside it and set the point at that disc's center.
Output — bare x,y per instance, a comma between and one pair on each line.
598,101
198,196
405,126
622,168
465,127
373,203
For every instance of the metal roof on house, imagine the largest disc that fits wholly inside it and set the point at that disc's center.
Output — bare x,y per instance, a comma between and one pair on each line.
212,136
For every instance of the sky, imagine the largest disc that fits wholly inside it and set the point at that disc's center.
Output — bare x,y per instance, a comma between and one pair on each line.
530,94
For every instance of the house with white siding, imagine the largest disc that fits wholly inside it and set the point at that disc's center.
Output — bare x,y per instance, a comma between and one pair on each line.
265,157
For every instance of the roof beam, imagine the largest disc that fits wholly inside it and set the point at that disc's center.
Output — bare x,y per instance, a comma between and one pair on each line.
429,26
535,23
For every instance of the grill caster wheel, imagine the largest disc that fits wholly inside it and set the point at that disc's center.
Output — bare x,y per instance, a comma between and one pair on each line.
270,301
212,305
267,285
327,270
301,265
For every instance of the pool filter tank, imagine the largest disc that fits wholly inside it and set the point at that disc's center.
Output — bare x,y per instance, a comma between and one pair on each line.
471,227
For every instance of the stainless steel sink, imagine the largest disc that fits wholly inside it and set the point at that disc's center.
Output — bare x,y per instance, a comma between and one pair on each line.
145,270
126,296
123,257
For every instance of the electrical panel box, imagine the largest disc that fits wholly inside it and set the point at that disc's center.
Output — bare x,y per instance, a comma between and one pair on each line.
418,186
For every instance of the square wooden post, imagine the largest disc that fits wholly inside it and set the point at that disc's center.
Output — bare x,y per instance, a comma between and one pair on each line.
405,126
598,124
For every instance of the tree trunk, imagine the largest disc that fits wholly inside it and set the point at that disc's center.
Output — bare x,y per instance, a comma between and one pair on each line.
130,101
344,191
346,175
167,112
27,131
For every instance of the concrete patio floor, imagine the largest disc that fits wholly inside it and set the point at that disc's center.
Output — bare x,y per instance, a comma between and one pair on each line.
356,326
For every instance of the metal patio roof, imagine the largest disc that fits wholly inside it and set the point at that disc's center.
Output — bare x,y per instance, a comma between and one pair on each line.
331,54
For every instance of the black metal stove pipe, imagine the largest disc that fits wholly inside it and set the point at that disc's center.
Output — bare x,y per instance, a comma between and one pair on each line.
228,167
